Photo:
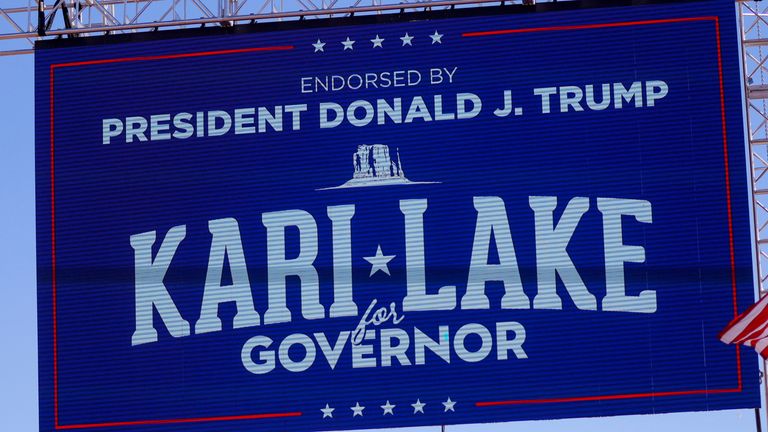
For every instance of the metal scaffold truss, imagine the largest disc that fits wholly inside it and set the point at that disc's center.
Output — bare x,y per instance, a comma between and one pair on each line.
20,26
754,41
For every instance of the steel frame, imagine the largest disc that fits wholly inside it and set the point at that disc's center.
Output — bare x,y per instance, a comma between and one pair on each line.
754,43
753,20
20,26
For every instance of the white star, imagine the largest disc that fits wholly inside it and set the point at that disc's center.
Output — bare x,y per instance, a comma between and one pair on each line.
327,411
379,262
388,408
418,407
319,46
377,42
406,39
348,44
436,38
357,410
449,405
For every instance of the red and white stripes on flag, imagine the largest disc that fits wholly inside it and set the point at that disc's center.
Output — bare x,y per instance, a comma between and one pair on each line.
750,328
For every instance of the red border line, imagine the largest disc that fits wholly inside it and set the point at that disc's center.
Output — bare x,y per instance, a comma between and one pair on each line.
174,56
716,21
478,404
727,187
57,425
53,271
604,397
175,421
587,26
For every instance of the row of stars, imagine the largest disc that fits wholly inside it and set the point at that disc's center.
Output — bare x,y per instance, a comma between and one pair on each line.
388,408
378,42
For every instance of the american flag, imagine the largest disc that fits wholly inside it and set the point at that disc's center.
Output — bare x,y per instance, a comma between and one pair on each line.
750,328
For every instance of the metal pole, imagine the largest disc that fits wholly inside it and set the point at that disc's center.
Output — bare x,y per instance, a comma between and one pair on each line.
41,18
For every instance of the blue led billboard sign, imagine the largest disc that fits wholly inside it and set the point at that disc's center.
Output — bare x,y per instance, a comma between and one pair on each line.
477,218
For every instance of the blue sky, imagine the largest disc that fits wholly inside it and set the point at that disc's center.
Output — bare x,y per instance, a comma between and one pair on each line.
18,356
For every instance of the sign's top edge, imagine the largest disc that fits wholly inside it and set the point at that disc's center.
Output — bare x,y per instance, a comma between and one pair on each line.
397,16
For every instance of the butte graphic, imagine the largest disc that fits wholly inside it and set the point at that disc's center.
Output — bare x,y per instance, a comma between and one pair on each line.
374,166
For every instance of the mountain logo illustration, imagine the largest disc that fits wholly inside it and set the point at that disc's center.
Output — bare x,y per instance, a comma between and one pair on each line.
374,165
